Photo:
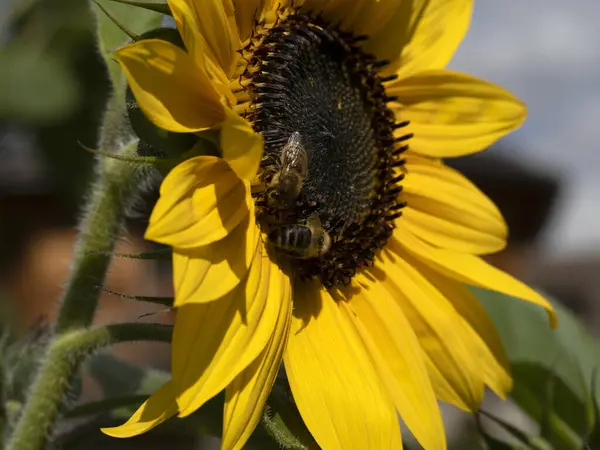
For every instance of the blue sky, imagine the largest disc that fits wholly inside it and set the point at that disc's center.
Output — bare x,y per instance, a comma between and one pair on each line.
548,53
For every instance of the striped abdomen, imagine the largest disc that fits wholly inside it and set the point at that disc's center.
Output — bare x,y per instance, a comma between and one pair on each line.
294,238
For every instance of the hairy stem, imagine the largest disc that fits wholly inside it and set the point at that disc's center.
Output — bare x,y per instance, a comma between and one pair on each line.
98,230
65,353
100,225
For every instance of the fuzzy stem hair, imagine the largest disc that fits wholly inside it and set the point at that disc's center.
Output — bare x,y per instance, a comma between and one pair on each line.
63,357
99,228
101,222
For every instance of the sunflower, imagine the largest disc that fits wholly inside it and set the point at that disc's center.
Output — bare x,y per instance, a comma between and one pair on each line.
318,237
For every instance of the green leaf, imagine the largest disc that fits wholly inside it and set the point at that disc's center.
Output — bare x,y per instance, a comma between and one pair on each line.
513,431
491,443
162,8
118,378
104,406
524,440
593,439
563,416
552,369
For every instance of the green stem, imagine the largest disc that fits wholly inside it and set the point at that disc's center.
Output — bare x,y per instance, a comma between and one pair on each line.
64,355
98,231
73,340
282,422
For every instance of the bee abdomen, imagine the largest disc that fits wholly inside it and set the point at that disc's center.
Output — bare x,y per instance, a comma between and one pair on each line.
291,237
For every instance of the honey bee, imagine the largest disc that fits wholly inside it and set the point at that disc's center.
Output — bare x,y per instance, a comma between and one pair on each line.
293,167
301,240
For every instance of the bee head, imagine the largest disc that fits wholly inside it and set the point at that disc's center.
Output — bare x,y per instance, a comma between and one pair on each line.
278,200
281,200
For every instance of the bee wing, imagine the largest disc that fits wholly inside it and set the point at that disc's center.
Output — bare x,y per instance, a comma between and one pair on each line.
295,139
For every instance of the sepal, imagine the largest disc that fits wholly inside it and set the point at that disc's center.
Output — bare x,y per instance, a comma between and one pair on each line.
133,36
165,301
161,8
138,160
160,254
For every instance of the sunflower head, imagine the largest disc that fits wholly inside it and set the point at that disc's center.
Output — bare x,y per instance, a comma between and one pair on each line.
330,145
328,233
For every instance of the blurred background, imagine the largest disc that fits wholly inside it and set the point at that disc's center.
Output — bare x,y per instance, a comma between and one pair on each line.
547,52
543,177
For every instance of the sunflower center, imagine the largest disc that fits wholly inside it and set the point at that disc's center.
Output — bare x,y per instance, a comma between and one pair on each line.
331,187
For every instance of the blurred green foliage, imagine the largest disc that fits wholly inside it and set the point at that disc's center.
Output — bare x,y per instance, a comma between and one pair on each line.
54,85
42,88
43,37
555,371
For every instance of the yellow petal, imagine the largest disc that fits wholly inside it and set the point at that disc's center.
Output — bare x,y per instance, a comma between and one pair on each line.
337,11
153,412
453,114
214,342
334,383
186,14
172,91
398,357
246,13
448,211
374,15
361,17
426,165
422,35
209,24
242,147
245,397
448,346
201,201
208,273
494,362
468,269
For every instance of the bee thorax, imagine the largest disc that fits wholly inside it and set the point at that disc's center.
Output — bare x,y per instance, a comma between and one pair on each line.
286,187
